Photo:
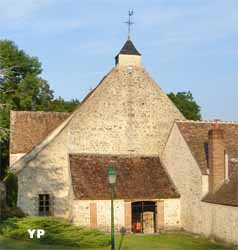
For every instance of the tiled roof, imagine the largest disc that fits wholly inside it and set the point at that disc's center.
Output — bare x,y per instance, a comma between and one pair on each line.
27,129
138,177
196,136
226,195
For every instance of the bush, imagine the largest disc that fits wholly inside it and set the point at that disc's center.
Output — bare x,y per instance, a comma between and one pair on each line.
9,212
11,186
57,232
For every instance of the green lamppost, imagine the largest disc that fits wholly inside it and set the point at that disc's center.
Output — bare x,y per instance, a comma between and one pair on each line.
112,180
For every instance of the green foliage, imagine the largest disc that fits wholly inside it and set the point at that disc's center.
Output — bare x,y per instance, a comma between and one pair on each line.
185,102
12,188
22,88
60,105
57,232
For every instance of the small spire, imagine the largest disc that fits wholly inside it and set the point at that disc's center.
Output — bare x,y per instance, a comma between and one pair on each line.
129,49
129,23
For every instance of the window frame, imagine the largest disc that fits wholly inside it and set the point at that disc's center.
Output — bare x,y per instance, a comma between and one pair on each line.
44,204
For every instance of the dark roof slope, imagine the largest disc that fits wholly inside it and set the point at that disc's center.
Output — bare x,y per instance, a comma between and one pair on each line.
129,49
196,136
27,129
138,177
226,195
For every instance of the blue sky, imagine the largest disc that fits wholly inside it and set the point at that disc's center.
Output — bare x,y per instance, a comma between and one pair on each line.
186,44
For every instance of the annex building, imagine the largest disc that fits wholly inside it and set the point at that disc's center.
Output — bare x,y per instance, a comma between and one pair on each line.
172,173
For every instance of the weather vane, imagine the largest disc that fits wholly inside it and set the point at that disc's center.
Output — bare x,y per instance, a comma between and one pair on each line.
129,22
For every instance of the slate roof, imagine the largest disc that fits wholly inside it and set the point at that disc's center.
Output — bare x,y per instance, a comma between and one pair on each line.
27,129
129,49
138,177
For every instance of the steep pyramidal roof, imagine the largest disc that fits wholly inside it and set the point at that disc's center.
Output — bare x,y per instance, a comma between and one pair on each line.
129,49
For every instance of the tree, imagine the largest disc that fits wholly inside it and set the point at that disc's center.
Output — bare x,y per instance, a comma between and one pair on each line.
22,88
60,105
185,102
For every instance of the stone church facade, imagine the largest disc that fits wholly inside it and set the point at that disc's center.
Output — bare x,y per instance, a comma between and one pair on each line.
172,173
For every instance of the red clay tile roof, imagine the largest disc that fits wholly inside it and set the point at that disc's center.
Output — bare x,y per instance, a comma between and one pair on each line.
27,129
196,136
138,177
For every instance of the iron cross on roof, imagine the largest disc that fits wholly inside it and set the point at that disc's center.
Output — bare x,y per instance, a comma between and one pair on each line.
129,22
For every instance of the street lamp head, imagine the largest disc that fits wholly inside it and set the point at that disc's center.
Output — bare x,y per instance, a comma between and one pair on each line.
112,175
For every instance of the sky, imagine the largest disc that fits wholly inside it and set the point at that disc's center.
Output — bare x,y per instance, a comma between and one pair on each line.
186,44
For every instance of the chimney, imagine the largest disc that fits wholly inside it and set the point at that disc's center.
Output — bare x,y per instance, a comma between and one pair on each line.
216,158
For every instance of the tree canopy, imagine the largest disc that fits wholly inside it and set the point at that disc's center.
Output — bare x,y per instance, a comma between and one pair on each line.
185,102
23,88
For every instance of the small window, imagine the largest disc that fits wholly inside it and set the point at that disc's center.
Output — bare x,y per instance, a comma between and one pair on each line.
44,204
226,159
206,149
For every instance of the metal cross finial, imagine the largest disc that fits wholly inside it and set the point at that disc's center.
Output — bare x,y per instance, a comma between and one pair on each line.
129,22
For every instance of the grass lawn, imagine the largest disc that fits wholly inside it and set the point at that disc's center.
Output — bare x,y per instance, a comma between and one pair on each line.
168,241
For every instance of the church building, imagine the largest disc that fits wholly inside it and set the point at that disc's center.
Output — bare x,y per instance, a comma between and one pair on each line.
172,173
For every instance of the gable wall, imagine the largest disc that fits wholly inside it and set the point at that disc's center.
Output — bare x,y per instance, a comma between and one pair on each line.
49,173
127,114
198,217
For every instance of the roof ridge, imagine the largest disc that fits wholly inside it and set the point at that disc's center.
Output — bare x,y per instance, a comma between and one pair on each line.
207,121
39,112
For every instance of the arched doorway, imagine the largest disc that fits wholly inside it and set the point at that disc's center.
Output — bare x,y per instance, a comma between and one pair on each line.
143,217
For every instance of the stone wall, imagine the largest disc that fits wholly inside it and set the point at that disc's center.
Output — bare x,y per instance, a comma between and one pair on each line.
196,216
47,173
81,213
128,113
168,216
129,60
172,214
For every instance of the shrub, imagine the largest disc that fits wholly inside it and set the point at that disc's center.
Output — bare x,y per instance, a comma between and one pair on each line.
9,212
11,186
57,232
